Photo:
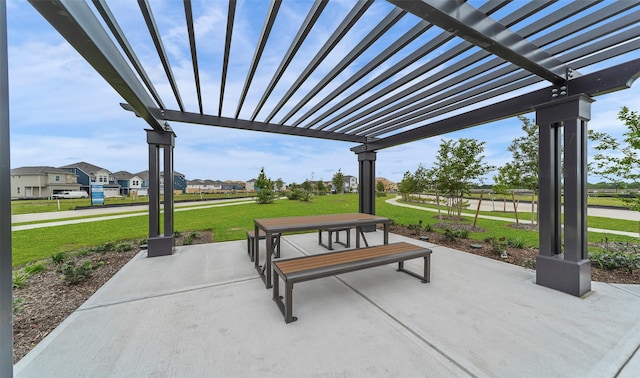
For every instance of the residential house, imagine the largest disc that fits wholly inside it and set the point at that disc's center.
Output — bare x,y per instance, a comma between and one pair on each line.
130,184
195,186
250,185
91,174
41,182
233,186
350,184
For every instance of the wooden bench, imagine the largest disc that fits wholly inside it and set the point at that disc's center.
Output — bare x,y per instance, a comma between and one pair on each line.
307,268
337,231
251,246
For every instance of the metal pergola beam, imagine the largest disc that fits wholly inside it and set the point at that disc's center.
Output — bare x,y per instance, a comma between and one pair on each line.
118,34
605,81
234,123
465,21
145,8
349,21
262,41
79,26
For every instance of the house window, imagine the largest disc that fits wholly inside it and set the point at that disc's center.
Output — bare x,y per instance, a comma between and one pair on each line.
136,182
18,190
57,178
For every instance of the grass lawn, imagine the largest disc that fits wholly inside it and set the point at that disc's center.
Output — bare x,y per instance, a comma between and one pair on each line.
231,222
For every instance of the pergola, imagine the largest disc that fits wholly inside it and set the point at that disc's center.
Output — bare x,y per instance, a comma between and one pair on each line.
424,68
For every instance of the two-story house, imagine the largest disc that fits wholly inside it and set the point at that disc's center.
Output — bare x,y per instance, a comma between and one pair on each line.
89,173
350,184
41,182
130,183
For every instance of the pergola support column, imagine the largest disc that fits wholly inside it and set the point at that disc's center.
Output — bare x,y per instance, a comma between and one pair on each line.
6,270
367,180
160,243
570,270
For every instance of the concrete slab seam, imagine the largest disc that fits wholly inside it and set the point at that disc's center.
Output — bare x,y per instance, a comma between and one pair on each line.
627,361
407,328
183,291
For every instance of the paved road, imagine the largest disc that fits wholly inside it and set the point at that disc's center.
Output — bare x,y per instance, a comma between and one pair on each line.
615,214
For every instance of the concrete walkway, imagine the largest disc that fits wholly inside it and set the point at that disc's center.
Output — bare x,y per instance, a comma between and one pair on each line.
203,312
101,214
622,213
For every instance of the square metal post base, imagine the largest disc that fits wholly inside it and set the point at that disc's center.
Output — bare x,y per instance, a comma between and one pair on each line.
570,277
160,246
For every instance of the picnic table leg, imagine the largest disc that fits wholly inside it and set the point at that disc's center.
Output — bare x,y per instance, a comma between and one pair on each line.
267,264
386,233
256,248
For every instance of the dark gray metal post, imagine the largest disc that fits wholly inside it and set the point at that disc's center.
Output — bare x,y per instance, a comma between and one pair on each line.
569,270
6,294
168,189
550,190
160,244
367,178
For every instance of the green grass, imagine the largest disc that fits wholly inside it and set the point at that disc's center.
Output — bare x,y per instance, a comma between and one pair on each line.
591,200
231,222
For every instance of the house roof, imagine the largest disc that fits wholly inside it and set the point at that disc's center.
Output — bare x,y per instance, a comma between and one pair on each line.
86,167
123,175
38,170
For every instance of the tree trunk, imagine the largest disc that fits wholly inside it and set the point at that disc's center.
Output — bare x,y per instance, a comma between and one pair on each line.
475,220
515,206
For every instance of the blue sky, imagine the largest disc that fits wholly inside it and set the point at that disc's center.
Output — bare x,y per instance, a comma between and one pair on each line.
63,112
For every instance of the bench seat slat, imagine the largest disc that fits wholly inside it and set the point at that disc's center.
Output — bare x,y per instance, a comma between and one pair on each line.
328,259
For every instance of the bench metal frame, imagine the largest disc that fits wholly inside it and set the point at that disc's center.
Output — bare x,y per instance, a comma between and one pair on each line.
286,306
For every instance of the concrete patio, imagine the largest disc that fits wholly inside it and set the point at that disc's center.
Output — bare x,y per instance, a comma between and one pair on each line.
204,312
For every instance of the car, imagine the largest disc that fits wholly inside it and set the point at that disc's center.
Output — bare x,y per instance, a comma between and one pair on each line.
71,194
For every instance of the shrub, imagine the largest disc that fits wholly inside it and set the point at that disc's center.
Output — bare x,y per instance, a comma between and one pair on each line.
617,256
73,274
499,245
516,242
59,258
122,247
529,263
188,239
449,235
34,268
452,235
20,279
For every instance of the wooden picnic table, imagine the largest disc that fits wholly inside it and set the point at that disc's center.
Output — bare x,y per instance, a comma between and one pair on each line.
281,225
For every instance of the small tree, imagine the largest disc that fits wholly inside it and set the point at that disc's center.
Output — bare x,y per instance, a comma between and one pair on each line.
264,188
457,165
407,185
380,189
322,190
338,181
619,160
